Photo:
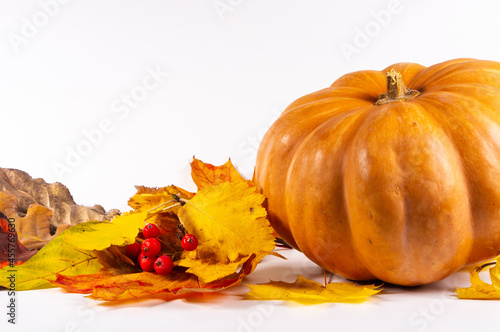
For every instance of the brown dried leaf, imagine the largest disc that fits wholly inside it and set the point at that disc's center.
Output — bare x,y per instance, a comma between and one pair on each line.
54,196
34,228
12,252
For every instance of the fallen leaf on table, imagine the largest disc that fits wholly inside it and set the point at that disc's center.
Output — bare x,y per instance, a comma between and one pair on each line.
204,174
306,291
479,289
230,223
12,252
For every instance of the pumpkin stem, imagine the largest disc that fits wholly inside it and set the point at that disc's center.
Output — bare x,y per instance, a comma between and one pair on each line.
396,90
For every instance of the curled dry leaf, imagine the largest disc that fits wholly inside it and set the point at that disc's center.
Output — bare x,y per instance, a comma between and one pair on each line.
306,291
11,251
33,229
54,196
42,210
480,290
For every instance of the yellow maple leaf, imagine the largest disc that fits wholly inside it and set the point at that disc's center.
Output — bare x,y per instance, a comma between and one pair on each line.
306,291
120,231
56,257
480,289
230,223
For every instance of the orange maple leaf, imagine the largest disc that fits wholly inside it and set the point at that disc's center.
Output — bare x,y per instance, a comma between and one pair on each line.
108,287
204,174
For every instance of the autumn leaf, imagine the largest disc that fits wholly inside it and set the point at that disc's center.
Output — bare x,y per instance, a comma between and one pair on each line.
161,208
79,250
75,251
147,198
28,191
479,289
230,223
120,231
115,262
204,174
34,228
226,215
107,287
12,252
306,291
227,218
57,257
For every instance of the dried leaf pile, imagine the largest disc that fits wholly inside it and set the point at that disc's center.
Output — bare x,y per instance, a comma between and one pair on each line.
226,215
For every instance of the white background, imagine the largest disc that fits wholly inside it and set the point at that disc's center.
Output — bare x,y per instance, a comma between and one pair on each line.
225,70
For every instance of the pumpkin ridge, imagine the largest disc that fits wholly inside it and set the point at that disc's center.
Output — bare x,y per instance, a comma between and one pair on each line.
443,74
317,252
437,71
324,102
473,177
328,106
397,215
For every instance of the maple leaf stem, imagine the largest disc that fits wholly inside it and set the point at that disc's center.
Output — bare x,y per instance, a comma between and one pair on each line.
163,207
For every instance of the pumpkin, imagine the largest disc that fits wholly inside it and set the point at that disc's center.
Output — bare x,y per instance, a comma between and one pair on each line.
392,174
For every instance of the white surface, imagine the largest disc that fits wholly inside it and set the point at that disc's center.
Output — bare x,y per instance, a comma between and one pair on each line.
230,72
427,308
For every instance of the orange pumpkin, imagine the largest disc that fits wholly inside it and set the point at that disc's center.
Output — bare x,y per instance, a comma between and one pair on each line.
392,174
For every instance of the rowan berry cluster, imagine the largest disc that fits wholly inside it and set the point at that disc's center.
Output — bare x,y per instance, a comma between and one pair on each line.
148,253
